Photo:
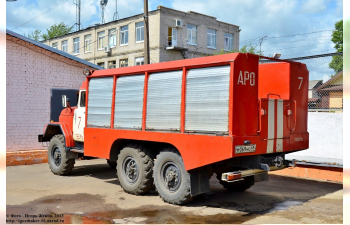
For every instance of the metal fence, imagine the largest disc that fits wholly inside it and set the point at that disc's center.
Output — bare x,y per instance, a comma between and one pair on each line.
325,81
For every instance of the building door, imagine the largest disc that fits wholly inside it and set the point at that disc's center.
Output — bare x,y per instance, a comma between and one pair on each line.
172,36
56,101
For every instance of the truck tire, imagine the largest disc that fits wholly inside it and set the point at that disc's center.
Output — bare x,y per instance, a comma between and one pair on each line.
57,157
113,165
241,185
171,179
134,169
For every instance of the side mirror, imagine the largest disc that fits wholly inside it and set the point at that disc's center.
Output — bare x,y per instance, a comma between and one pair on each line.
64,101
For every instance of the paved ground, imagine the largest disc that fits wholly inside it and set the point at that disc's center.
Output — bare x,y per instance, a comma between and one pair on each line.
92,195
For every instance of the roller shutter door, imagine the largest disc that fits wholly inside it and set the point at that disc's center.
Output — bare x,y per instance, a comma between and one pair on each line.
129,102
164,101
100,102
207,99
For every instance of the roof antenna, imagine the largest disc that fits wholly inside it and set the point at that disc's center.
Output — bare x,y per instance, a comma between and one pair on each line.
77,19
116,16
103,4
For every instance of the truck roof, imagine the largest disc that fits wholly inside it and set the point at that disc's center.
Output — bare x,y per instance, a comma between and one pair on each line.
179,64
171,65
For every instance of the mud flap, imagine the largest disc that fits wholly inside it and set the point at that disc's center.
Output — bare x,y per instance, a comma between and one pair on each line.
71,155
199,182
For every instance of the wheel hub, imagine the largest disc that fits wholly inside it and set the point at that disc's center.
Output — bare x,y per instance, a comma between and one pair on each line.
130,169
56,155
171,176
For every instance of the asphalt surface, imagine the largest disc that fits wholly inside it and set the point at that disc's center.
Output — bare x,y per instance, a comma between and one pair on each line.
92,194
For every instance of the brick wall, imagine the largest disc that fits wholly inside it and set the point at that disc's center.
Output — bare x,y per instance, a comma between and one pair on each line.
31,72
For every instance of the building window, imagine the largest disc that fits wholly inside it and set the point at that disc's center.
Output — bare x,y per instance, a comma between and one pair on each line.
140,32
228,42
211,38
139,61
101,64
88,43
76,45
100,42
111,64
55,45
65,46
191,34
112,34
123,63
124,35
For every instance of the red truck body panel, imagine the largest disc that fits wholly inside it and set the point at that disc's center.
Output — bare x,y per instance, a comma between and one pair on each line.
271,131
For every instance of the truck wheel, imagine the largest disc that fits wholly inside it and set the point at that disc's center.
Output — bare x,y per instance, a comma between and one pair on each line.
134,169
241,185
58,162
113,165
171,179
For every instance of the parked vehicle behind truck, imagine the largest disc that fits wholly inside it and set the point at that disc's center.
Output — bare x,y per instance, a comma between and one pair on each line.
172,125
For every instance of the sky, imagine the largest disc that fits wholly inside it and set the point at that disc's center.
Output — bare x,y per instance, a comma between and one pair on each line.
307,24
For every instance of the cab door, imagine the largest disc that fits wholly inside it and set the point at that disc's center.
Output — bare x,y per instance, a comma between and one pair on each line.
79,118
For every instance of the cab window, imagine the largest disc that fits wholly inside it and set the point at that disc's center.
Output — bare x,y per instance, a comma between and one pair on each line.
82,99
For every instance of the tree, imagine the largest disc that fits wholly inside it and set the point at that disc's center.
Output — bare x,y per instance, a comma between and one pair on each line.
35,35
57,30
337,37
244,49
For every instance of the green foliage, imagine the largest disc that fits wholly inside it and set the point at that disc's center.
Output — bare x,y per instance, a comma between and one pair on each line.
57,30
337,37
35,35
337,63
250,49
244,49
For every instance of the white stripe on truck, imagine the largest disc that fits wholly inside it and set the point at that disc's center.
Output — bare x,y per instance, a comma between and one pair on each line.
271,125
279,141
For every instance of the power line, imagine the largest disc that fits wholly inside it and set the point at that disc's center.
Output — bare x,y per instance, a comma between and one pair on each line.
42,13
330,51
297,47
300,34
292,35
295,40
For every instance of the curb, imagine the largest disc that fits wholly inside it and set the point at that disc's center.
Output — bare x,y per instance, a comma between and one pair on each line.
26,157
320,173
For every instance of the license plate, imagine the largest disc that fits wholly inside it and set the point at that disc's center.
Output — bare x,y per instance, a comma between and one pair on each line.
245,148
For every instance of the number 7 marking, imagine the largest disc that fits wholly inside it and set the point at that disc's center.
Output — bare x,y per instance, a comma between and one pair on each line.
301,81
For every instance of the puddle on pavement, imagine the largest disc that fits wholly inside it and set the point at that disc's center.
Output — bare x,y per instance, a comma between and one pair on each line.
284,205
92,209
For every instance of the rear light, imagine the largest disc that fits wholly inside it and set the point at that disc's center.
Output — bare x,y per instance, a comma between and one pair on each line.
231,176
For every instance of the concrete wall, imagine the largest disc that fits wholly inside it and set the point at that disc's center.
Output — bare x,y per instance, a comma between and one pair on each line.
130,51
30,74
159,21
326,139
203,22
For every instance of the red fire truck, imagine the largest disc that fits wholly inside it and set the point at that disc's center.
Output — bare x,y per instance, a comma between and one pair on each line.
169,126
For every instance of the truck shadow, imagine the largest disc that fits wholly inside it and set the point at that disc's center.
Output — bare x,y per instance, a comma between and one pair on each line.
276,194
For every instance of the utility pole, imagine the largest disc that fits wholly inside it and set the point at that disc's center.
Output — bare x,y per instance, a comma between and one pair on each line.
146,30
